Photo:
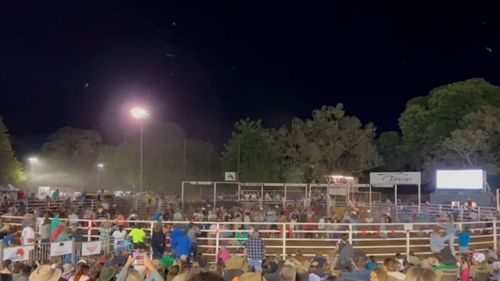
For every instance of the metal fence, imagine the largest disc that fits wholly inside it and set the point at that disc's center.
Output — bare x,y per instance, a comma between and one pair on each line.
286,239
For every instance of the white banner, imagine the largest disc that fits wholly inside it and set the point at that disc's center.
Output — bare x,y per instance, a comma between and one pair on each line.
61,248
230,176
21,253
399,178
91,248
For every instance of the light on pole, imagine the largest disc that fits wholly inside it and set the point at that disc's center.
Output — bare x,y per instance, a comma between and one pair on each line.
140,114
99,168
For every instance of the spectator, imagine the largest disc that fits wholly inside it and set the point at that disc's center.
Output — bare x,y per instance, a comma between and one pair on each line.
451,232
6,272
270,271
392,268
55,195
119,236
138,235
73,218
28,235
181,246
479,265
464,269
255,251
82,273
359,269
45,231
463,240
372,263
344,250
54,222
235,267
158,241
288,273
495,271
193,232
63,234
24,273
8,238
437,240
45,273
223,254
378,274
420,274
413,260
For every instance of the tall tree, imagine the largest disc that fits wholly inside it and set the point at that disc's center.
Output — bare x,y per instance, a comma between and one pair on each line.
11,170
330,141
253,149
428,120
389,148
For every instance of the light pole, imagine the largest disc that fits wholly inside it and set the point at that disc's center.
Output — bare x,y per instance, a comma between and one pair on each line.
99,168
140,114
33,160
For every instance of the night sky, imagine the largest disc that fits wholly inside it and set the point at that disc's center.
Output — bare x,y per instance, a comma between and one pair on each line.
206,64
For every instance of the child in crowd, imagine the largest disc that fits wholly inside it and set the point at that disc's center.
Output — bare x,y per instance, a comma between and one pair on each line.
464,269
372,264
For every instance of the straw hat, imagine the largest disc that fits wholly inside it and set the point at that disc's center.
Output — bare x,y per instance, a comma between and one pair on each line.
252,276
107,274
235,262
479,257
45,273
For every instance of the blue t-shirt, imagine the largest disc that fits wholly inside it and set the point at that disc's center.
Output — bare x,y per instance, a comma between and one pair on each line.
463,239
371,265
7,238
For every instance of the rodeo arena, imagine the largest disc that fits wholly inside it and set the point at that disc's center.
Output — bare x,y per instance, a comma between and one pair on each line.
236,231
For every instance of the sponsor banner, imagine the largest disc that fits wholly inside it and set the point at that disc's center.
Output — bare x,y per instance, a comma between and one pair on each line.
91,248
399,178
61,248
21,253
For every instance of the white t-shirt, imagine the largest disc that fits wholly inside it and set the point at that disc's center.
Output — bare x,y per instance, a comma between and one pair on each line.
28,234
119,236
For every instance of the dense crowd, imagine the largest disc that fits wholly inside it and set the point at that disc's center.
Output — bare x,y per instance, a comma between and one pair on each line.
170,252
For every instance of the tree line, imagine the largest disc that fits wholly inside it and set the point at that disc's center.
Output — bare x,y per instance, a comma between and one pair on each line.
455,126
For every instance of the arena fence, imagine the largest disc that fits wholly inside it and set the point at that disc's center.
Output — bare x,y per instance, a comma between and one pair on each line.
281,239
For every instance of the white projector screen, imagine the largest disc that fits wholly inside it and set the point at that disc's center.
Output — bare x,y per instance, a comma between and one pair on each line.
459,179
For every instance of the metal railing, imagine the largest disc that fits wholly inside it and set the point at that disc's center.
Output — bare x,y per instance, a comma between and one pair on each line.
285,239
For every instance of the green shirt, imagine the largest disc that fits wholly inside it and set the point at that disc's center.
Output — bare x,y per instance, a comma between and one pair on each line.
137,235
444,266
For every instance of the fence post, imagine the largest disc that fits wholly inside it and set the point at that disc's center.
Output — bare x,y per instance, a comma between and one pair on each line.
284,241
217,230
1,252
408,244
461,213
479,212
89,231
495,242
73,252
151,226
350,234
440,209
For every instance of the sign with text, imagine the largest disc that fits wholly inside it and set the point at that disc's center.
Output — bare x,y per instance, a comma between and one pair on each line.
399,178
230,176
21,253
91,248
61,248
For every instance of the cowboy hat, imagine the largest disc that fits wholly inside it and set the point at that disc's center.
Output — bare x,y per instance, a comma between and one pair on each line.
107,274
45,273
252,276
236,262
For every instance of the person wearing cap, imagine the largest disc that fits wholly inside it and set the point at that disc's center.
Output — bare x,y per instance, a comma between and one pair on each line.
138,235
192,233
158,240
270,271
235,267
288,273
447,264
255,251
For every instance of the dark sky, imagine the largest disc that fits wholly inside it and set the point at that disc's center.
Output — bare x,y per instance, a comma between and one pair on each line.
207,64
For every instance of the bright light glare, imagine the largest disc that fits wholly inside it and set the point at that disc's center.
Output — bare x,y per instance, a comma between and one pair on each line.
33,159
139,113
459,179
100,165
